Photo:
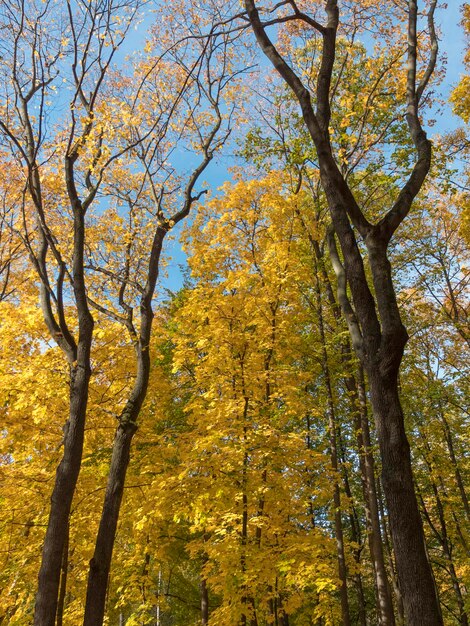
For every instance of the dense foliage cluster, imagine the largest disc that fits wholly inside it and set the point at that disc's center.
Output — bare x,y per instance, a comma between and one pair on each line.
232,451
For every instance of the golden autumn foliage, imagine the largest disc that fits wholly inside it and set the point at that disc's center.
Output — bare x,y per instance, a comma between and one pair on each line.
254,493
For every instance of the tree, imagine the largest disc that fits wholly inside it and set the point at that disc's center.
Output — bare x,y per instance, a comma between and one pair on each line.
67,164
378,334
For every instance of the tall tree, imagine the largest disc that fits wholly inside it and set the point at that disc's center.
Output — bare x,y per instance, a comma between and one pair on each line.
65,143
375,323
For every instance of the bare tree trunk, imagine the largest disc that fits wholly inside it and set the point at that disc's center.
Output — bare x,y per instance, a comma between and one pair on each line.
386,615
100,564
333,435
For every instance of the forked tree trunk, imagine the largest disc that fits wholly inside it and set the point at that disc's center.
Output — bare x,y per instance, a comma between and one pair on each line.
377,332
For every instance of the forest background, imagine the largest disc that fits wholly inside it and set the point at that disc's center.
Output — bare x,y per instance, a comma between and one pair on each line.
281,437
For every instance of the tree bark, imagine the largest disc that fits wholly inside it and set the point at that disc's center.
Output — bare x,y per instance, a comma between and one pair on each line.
64,489
100,564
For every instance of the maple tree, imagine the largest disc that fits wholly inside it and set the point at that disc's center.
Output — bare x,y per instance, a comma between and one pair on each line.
64,172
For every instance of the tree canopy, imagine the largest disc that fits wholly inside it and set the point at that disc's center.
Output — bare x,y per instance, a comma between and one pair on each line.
281,437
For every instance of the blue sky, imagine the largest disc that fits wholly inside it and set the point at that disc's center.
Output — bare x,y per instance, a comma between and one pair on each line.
451,46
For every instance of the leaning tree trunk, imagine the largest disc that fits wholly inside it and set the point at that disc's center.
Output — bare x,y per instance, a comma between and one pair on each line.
61,502
100,564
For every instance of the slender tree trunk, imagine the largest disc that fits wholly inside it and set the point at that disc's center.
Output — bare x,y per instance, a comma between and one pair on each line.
386,615
244,529
283,616
442,535
356,539
458,475
100,564
400,610
357,391
332,427
61,501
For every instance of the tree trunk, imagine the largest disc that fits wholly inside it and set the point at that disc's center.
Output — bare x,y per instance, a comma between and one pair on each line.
333,428
442,536
414,575
100,564
356,539
400,610
385,612
63,581
357,391
458,475
61,501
